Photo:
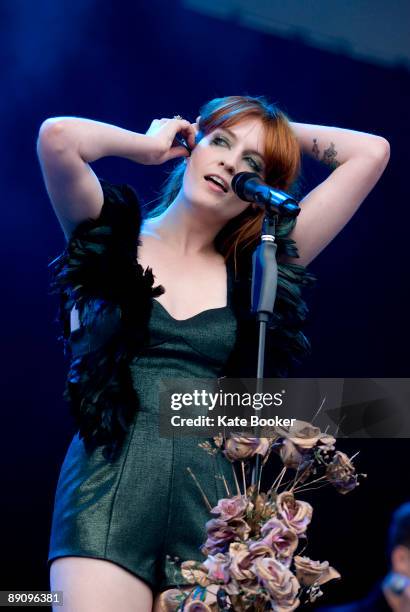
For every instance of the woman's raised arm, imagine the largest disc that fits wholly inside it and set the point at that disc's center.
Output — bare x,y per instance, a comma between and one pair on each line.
357,160
67,145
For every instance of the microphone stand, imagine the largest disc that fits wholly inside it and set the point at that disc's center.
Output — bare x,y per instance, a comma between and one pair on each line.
264,287
249,187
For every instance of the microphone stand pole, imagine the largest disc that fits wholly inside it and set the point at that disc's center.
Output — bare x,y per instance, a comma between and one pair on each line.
264,287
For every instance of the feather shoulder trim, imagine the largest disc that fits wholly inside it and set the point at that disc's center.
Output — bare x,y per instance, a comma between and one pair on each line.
98,273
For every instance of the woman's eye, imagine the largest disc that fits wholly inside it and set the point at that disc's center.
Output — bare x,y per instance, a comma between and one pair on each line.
254,165
218,138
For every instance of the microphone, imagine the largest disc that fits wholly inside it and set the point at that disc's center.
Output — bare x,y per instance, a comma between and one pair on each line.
249,187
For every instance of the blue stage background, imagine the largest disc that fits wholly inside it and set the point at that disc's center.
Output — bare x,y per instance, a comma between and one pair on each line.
127,64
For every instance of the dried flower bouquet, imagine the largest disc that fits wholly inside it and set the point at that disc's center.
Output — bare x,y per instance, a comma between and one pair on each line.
251,562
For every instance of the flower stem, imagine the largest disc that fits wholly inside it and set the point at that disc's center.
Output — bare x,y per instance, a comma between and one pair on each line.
220,475
308,484
236,480
313,488
243,476
298,477
226,485
278,480
200,488
259,479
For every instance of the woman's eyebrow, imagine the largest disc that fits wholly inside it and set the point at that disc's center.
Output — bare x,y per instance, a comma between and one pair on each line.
233,136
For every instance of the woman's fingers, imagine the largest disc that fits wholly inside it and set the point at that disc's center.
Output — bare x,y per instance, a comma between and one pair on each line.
184,123
187,130
177,151
167,138
184,127
190,133
194,132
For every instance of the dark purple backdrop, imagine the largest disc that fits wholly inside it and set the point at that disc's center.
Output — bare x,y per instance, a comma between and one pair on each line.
128,65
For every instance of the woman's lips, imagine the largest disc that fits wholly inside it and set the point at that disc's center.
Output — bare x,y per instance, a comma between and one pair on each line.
214,186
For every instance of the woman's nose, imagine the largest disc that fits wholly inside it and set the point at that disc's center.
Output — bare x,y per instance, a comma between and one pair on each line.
229,167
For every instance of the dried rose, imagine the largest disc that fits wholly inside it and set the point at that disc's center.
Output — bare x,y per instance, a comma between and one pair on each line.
241,528
305,435
260,549
341,473
280,538
263,507
326,443
195,572
169,600
219,534
210,547
197,606
280,583
295,513
241,561
293,457
231,507
218,567
238,447
310,572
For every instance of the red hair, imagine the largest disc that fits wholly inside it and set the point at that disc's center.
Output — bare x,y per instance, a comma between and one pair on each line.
282,157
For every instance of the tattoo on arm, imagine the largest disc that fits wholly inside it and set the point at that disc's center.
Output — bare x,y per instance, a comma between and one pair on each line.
329,155
315,149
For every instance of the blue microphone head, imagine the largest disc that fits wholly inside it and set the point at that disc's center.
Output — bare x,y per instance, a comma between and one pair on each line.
238,183
250,187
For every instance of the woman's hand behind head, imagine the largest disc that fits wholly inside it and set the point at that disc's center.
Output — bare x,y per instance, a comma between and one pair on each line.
162,143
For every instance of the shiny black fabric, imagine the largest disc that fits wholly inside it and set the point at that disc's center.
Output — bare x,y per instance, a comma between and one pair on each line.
144,506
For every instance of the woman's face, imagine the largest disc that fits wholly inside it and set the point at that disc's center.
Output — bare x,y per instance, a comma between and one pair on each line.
224,152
